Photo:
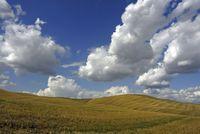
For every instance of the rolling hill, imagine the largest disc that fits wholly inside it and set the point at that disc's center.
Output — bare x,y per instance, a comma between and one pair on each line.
25,113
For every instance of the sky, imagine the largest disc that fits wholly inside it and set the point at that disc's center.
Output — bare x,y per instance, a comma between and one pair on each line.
94,48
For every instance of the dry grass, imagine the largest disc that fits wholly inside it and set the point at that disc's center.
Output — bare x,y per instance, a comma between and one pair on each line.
23,113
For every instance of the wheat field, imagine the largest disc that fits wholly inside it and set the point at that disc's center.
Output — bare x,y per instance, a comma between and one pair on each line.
138,114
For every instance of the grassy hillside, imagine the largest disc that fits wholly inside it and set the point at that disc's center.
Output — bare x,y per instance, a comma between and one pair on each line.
24,113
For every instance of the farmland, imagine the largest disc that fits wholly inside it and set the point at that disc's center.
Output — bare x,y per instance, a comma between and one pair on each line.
25,113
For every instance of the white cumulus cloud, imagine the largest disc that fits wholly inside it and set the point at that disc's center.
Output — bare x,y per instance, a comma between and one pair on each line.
117,90
184,95
60,86
128,52
155,77
180,44
101,66
6,11
146,38
25,49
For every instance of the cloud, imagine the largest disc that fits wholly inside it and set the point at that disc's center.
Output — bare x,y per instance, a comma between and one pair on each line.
184,95
156,40
128,54
186,9
101,66
180,44
78,51
134,48
117,90
5,10
19,10
183,51
154,78
24,48
74,64
60,86
5,81
175,48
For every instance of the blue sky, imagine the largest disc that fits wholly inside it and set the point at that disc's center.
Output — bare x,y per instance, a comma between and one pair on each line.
82,25
78,24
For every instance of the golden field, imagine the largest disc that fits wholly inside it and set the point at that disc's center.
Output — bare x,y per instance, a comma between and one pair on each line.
138,114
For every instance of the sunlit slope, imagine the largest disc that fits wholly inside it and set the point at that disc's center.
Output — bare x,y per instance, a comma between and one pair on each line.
147,103
24,113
